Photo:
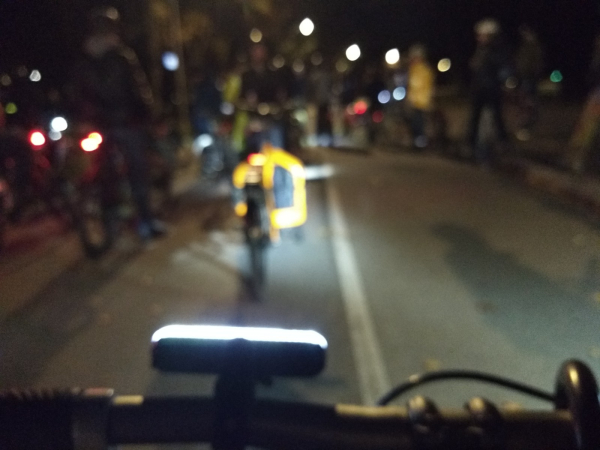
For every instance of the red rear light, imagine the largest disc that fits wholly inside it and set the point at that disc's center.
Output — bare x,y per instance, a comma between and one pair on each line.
360,107
91,142
257,159
37,139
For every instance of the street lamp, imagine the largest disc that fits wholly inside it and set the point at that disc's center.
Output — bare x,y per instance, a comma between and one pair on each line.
353,52
255,35
392,56
307,27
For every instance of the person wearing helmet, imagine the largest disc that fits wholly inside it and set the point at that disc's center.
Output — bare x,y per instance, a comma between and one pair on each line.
112,92
489,67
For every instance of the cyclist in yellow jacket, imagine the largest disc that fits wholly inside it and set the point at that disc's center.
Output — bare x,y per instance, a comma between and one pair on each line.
421,81
282,177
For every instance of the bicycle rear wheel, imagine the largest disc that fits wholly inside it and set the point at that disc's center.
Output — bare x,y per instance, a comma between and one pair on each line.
257,244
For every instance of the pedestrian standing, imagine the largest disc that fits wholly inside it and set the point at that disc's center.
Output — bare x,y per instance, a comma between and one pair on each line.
420,93
529,64
489,69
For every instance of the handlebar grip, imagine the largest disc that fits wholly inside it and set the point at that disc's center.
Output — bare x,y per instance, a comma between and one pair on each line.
37,419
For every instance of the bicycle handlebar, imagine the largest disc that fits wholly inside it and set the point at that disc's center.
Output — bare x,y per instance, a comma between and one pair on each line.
94,420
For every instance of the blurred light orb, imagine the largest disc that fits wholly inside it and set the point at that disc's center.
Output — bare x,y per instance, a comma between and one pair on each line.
59,124
201,142
5,80
263,109
298,66
353,52
37,139
556,76
378,117
444,65
35,76
278,61
307,27
392,56
227,108
22,71
10,108
511,82
256,35
384,97
341,66
54,135
360,107
316,59
399,93
170,61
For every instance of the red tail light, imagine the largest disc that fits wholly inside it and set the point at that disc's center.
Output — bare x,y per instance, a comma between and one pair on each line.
360,107
37,139
91,142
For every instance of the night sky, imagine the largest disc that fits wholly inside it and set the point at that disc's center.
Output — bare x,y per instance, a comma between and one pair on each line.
46,34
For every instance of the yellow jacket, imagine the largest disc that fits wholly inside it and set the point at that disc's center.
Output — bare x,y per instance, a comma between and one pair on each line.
272,157
420,85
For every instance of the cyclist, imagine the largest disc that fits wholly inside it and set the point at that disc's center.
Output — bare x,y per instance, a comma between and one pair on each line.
112,92
282,177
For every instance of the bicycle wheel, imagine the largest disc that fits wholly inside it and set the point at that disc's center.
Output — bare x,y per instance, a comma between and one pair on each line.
95,223
257,244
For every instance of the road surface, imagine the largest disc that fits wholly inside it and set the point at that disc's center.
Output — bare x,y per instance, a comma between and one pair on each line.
409,263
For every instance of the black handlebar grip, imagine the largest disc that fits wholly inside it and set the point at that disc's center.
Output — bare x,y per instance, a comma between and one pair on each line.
36,419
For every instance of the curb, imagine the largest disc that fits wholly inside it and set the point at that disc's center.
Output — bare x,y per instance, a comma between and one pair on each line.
579,191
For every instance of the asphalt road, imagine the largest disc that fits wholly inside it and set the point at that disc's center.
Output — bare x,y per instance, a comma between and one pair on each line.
408,263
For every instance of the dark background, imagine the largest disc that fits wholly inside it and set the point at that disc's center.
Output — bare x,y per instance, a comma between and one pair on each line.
47,34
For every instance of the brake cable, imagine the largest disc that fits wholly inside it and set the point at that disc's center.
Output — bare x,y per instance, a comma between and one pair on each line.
419,380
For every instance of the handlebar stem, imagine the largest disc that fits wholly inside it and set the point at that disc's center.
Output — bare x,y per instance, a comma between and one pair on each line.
234,396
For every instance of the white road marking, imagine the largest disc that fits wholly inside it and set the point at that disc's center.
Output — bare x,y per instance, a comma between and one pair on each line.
372,377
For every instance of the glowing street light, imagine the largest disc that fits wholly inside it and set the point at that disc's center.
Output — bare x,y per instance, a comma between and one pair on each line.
353,52
307,27
392,56
35,76
255,35
444,65
170,61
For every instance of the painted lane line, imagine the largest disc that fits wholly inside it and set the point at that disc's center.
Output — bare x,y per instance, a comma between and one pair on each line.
372,376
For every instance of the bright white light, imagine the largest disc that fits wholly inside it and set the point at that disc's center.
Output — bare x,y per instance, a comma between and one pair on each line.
307,27
392,56
227,108
59,124
248,333
353,52
203,141
384,97
54,135
399,93
255,35
444,65
170,61
35,76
